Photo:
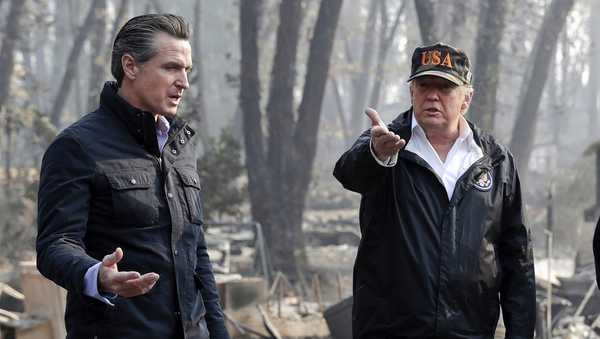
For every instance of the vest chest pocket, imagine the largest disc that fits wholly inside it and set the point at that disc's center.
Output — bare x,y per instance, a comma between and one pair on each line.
134,199
191,187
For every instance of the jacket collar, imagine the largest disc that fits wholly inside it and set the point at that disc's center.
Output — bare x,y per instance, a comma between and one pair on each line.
488,144
140,124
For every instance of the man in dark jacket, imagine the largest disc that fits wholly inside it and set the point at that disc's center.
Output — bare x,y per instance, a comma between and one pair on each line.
119,204
443,242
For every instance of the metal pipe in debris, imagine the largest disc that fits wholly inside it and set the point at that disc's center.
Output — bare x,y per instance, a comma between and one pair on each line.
317,287
585,300
281,296
339,285
263,251
549,235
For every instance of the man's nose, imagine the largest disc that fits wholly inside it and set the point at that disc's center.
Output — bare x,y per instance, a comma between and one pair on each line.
182,82
433,94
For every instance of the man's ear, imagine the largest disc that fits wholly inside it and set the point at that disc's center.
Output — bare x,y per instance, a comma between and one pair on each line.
130,67
468,98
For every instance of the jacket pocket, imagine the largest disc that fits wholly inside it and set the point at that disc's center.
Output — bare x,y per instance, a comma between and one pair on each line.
134,199
192,189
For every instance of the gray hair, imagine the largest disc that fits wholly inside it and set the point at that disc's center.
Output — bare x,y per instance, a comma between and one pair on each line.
137,38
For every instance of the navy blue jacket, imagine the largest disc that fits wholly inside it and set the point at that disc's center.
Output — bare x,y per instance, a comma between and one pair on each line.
104,183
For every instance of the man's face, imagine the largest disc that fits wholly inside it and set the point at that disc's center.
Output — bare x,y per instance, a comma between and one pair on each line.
438,103
159,83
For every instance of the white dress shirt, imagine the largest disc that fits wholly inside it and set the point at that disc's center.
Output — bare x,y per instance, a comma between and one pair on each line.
464,153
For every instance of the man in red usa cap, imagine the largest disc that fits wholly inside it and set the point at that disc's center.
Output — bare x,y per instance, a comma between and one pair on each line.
444,243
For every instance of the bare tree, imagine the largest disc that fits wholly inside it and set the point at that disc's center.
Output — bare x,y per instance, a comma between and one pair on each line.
360,81
527,112
341,110
487,57
458,22
254,147
77,93
7,64
198,104
7,55
289,170
426,18
119,20
116,25
386,39
566,69
594,69
71,65
97,59
157,6
301,157
280,115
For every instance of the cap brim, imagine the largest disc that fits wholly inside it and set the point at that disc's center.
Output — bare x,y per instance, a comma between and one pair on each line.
444,75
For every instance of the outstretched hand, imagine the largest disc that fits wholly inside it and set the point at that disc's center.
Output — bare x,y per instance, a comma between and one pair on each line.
385,142
126,284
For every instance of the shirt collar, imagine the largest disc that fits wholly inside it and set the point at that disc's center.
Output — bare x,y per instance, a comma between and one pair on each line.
162,125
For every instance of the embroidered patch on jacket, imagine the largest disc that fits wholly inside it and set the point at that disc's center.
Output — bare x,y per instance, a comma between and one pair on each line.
483,181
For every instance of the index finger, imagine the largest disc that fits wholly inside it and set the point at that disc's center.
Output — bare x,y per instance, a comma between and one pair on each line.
375,119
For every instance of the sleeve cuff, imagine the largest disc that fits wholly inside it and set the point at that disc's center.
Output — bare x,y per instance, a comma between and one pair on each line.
90,286
389,162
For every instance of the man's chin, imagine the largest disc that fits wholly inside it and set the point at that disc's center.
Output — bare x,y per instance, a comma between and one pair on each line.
430,119
433,123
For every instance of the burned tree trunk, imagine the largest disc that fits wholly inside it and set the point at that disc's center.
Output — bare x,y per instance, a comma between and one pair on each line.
97,58
116,25
341,110
71,65
198,105
278,192
280,115
426,20
487,58
458,23
7,55
7,64
301,156
360,82
527,113
251,117
119,20
594,70
386,38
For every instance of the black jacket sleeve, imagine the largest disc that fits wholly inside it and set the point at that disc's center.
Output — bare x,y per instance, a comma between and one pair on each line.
356,169
596,247
63,204
215,320
517,289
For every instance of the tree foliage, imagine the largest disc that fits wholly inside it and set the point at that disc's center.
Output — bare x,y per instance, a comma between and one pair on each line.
221,170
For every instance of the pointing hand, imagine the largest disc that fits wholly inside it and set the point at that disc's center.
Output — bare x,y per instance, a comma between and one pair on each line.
385,142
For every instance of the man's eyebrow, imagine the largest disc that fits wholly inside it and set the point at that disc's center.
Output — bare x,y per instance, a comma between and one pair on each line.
177,64
174,64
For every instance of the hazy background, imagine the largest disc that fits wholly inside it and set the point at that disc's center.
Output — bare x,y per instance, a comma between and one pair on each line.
535,64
